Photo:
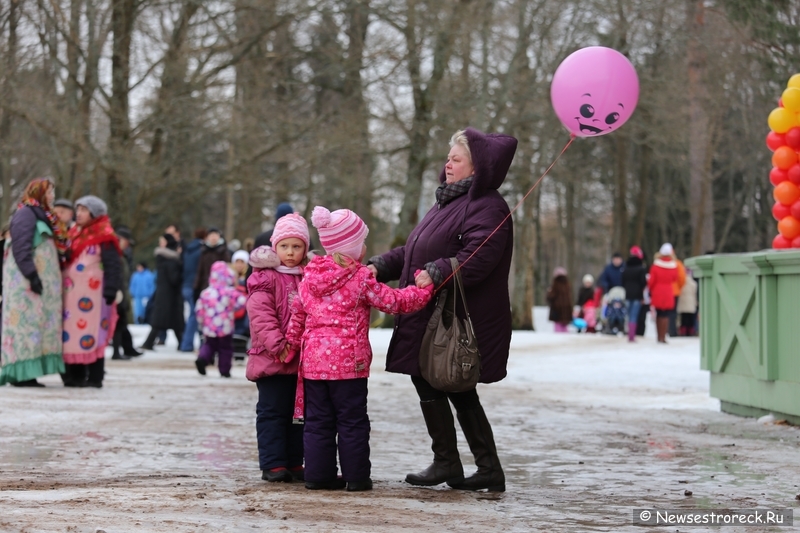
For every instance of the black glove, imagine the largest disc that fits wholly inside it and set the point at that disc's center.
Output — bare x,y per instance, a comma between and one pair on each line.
109,296
36,284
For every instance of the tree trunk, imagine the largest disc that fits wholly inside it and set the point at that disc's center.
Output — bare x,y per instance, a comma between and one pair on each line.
424,98
569,228
524,246
641,199
620,231
122,18
359,164
538,289
172,80
701,200
72,95
5,121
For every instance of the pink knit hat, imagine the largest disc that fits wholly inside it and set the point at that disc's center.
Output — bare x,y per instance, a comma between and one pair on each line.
341,231
291,225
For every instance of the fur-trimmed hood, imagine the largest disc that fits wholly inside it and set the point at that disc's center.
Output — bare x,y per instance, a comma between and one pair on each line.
264,257
167,253
492,154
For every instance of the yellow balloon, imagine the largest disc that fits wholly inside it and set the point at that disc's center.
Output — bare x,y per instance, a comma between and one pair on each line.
782,120
794,81
791,99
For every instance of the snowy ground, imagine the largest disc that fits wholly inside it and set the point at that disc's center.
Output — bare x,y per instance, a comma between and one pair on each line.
588,428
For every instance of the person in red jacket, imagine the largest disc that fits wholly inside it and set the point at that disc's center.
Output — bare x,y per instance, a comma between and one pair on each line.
663,274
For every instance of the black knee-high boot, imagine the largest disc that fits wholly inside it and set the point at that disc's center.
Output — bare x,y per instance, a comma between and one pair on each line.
446,466
96,373
74,375
480,438
151,339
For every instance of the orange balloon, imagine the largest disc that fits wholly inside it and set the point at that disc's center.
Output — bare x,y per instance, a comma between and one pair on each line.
784,157
786,193
789,227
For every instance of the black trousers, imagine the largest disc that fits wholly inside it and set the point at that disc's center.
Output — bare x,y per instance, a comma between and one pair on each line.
93,372
157,333
336,420
280,442
462,401
122,337
673,320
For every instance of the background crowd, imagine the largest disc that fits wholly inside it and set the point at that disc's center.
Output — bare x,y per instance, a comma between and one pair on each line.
625,292
70,287
58,244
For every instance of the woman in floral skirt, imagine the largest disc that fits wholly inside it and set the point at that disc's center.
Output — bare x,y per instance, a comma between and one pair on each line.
31,345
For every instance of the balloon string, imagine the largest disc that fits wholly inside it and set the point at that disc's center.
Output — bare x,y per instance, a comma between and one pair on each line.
569,143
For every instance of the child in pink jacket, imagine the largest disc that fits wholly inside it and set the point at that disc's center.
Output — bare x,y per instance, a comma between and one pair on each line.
272,286
215,309
330,326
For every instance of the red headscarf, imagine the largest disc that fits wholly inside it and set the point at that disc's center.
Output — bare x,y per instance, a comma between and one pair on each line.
35,195
97,232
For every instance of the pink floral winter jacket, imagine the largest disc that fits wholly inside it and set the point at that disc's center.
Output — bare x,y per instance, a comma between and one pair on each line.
218,302
330,318
269,308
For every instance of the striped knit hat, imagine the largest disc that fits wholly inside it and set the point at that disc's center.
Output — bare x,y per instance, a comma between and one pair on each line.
291,225
341,231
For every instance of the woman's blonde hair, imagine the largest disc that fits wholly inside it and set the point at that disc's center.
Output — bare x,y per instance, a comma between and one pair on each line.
460,138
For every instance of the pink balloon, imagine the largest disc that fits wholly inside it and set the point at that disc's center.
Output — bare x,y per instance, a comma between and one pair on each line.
594,91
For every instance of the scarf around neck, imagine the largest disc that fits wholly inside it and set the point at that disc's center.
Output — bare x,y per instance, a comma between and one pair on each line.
34,197
447,193
99,231
286,270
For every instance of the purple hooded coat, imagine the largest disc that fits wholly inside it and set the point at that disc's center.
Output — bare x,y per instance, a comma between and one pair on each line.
456,230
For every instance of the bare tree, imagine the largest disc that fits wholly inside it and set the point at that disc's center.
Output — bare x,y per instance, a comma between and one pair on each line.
700,156
420,21
7,95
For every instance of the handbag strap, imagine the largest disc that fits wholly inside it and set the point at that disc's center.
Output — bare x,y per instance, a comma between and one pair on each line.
459,287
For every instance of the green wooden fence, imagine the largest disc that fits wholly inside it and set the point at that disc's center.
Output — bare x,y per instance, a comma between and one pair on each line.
750,330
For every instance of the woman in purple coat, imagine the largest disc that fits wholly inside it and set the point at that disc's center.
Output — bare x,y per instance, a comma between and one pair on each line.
468,208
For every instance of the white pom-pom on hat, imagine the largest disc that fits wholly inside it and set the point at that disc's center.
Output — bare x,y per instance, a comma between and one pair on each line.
320,217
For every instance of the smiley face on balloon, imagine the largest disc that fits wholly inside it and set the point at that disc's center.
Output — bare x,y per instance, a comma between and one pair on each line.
593,123
594,91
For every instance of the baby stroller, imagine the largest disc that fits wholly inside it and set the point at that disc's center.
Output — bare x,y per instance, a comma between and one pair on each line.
241,344
615,311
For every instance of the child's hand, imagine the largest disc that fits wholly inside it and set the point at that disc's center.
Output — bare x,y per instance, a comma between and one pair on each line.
288,354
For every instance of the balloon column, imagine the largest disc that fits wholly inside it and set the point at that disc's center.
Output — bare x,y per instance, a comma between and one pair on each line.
784,141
